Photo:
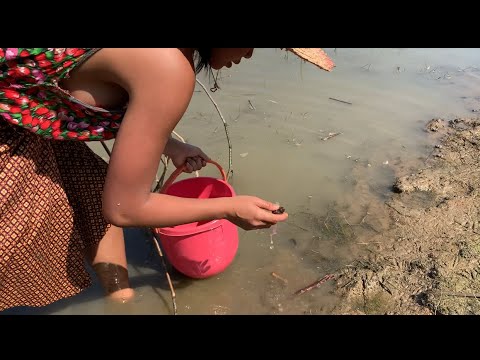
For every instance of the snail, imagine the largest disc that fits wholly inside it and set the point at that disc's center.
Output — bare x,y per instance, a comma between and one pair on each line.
279,211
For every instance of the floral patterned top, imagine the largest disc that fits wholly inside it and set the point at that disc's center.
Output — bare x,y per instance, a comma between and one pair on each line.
31,98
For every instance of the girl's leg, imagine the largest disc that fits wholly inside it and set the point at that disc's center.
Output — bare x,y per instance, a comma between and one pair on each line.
109,261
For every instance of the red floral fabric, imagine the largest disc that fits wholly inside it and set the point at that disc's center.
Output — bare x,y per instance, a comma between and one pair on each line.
31,98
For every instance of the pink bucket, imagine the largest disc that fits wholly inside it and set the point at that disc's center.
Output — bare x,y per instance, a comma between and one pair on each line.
200,249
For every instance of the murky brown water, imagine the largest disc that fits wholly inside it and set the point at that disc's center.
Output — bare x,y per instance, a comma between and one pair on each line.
279,154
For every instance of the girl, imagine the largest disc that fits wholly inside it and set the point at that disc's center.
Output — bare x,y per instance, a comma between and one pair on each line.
59,202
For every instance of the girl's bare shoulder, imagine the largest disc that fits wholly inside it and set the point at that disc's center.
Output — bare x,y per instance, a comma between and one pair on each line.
130,67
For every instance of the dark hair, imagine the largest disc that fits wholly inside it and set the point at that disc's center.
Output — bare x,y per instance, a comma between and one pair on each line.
202,59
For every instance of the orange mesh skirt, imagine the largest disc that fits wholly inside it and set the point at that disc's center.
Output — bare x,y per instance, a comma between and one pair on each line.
50,214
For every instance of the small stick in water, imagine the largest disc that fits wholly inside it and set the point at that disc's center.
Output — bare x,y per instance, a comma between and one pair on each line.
331,135
342,101
315,285
276,276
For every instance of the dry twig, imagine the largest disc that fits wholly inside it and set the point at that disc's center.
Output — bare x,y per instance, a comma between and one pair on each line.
476,296
342,101
159,185
230,168
276,276
172,290
315,285
107,150
331,135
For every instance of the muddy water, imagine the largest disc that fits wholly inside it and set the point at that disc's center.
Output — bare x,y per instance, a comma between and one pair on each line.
279,111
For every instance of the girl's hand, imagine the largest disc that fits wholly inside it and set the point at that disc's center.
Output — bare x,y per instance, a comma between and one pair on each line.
185,154
250,213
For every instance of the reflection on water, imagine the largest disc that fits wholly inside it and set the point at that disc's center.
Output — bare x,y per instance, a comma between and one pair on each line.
279,111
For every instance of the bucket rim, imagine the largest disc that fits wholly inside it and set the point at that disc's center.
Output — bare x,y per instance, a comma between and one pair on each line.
198,178
173,231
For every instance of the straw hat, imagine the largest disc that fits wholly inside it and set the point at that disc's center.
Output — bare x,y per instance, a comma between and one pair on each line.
315,56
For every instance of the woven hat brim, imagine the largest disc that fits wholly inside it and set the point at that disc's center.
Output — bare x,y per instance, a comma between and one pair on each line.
315,56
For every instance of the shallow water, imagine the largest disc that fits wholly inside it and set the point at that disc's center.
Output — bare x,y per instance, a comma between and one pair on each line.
279,110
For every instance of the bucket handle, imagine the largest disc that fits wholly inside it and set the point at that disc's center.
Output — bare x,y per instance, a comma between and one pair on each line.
179,170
